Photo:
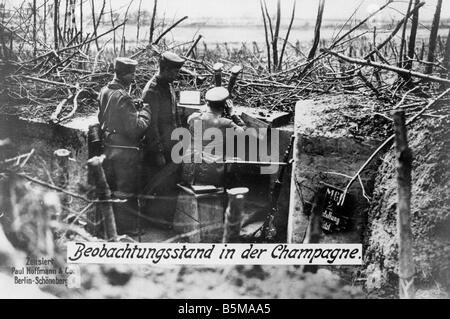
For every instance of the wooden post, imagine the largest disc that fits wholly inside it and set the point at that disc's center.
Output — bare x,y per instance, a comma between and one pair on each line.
218,67
233,215
314,229
42,216
297,221
103,194
60,172
235,71
60,167
95,219
404,166
194,46
95,147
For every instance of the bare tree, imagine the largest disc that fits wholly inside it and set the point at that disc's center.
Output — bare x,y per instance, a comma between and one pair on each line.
404,168
45,21
267,36
403,39
433,38
56,23
287,36
138,22
123,40
152,22
81,21
276,34
66,13
412,37
34,28
312,53
113,25
96,21
446,62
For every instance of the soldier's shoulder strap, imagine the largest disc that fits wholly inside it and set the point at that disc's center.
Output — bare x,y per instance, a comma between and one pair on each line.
123,93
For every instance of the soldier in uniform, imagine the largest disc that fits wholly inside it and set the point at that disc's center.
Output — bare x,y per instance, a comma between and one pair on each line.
160,96
123,127
210,172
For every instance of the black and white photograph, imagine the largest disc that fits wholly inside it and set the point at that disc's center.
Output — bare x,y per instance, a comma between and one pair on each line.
212,149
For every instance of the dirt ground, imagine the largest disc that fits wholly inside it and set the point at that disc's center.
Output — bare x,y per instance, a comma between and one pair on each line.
207,282
353,115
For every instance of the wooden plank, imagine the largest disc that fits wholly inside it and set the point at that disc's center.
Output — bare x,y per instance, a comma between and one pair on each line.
406,268
190,98
201,215
104,194
271,118
298,222
253,122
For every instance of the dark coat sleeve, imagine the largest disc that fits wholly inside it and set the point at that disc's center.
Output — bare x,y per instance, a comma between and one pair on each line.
152,98
227,123
135,123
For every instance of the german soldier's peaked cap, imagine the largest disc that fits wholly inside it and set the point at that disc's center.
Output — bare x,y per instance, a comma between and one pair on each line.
125,66
172,59
217,94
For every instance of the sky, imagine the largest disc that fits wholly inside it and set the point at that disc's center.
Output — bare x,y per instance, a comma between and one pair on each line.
306,9
249,9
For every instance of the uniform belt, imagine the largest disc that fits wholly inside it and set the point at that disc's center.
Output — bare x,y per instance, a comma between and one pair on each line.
135,148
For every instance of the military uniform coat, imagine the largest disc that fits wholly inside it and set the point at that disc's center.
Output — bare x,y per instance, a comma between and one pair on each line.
123,126
160,96
206,167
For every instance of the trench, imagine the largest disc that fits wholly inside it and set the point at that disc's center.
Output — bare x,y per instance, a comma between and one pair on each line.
319,159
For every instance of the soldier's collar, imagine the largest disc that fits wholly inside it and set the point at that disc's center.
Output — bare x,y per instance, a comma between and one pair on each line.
116,84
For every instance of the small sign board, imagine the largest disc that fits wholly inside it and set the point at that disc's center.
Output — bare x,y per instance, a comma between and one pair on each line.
190,97
333,219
